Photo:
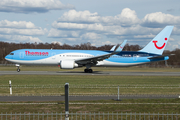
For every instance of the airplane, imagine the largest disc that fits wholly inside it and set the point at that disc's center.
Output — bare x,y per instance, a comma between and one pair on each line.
70,59
19,54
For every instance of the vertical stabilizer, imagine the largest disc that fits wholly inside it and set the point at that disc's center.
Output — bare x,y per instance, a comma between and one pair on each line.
158,44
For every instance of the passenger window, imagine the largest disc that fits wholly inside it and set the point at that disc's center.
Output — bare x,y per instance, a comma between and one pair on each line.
11,53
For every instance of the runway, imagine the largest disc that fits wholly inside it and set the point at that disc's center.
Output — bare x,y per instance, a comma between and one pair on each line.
94,73
81,98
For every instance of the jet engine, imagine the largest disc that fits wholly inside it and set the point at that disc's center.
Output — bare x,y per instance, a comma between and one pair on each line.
68,64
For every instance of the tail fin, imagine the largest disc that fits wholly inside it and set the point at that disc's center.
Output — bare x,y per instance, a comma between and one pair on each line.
158,44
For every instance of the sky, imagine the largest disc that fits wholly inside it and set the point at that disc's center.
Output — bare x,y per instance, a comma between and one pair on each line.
99,22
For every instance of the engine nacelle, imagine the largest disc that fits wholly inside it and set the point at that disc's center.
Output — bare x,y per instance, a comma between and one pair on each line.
68,64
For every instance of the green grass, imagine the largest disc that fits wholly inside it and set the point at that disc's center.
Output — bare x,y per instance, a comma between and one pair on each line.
90,80
152,108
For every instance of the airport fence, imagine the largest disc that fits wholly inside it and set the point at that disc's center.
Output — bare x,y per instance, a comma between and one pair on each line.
90,116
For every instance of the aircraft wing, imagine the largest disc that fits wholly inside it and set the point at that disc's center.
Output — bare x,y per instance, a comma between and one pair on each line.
95,59
161,56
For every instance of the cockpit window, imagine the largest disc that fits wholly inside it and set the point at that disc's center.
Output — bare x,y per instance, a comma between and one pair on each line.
11,53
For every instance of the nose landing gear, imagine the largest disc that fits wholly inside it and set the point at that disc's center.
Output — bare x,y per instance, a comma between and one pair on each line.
18,70
17,65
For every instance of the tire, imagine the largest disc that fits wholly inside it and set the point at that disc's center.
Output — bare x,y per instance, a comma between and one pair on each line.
90,71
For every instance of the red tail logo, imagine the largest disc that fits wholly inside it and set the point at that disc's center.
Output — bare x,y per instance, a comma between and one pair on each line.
161,47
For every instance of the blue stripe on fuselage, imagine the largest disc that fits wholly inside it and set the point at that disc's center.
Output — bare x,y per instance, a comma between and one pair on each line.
130,57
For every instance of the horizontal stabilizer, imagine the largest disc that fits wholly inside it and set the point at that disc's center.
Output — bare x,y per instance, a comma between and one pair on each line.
161,56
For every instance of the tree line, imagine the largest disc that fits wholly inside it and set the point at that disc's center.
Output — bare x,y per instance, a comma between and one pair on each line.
6,48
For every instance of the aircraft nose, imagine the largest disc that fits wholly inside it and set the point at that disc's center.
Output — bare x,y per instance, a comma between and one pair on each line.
7,57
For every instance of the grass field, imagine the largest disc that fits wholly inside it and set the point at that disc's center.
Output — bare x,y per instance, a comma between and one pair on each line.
90,84
169,84
152,108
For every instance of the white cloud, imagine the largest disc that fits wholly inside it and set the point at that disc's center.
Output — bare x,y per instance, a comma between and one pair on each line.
19,38
63,34
160,19
33,32
108,43
29,6
85,21
21,31
91,27
56,42
15,24
127,17
81,16
144,36
20,28
100,43
78,26
90,36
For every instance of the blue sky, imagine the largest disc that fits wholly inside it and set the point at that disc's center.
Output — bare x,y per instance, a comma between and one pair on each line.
96,21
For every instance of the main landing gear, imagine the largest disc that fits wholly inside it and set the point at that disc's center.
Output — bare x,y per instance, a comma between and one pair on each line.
17,65
88,70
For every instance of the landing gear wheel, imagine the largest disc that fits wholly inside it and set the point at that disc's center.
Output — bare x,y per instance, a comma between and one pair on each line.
18,70
88,70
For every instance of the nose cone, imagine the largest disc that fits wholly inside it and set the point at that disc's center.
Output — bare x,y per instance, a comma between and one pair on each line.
7,57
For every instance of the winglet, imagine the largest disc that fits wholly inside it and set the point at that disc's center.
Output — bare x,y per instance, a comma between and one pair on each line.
120,48
113,48
158,44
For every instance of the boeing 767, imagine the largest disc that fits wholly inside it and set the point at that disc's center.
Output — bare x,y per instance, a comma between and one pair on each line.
70,59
